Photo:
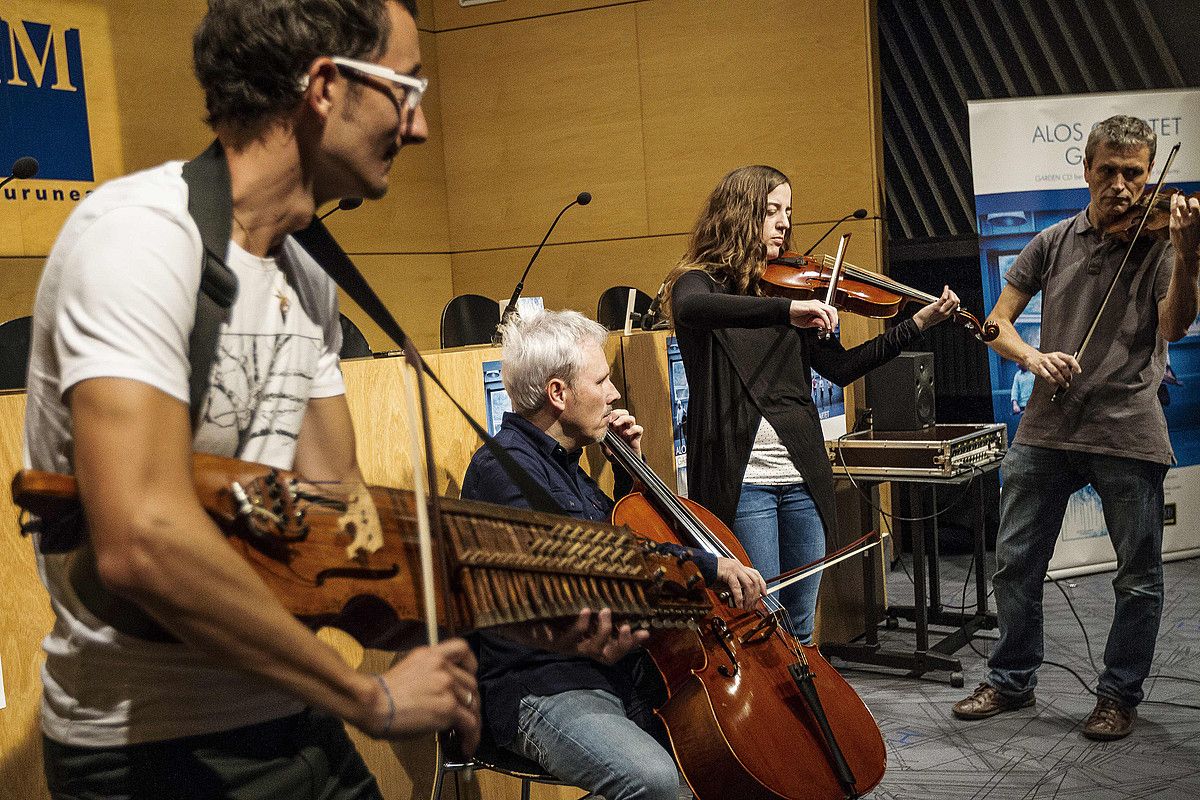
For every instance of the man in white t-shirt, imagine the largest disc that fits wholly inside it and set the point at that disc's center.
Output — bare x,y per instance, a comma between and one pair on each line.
311,102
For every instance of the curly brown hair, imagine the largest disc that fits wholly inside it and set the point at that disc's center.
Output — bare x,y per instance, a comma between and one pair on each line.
727,238
249,54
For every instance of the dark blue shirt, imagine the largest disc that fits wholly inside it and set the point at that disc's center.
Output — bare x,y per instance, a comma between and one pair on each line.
509,671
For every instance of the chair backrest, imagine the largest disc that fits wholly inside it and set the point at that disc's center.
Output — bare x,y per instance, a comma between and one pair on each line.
469,319
354,344
610,309
14,352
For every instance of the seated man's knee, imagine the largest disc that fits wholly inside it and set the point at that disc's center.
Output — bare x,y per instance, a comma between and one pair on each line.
654,778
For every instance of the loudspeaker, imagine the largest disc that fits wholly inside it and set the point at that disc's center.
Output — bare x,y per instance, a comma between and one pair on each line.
900,393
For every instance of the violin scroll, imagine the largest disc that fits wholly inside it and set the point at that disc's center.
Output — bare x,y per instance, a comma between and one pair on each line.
984,332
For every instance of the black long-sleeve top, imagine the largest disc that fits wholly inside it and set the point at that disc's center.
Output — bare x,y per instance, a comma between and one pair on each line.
745,361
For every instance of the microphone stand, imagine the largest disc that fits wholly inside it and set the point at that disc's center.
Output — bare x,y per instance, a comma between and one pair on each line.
649,321
858,214
583,199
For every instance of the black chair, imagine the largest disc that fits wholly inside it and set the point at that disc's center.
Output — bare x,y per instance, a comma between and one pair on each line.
354,344
14,352
610,310
469,319
497,760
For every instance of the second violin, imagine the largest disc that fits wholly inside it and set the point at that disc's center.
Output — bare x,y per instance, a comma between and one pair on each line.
859,291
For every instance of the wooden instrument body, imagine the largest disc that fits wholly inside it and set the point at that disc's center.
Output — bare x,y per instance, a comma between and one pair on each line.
318,549
738,724
811,281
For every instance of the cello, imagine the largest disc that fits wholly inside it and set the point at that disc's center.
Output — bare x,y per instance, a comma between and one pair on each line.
742,670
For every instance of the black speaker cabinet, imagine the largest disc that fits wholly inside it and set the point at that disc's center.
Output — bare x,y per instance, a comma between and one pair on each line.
900,393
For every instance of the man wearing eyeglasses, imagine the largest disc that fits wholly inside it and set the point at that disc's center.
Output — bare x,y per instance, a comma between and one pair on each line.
220,692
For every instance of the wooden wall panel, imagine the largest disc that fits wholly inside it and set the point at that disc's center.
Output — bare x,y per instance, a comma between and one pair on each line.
570,275
160,104
448,14
733,82
413,287
536,112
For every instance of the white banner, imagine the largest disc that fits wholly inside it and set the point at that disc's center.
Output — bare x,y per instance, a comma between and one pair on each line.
1027,159
1026,144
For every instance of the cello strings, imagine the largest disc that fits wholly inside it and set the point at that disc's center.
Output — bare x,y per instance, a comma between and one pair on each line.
699,532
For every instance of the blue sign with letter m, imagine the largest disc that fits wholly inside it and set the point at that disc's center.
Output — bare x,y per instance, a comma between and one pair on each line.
43,100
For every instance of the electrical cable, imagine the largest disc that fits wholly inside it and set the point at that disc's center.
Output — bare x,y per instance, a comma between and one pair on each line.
977,472
1078,677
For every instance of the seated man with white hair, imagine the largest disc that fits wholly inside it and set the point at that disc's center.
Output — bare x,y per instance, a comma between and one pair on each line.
587,721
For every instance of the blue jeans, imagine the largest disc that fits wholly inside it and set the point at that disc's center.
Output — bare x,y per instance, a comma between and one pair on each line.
781,529
584,737
1037,484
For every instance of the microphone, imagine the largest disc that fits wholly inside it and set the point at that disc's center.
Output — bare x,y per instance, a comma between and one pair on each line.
345,204
859,214
23,168
582,199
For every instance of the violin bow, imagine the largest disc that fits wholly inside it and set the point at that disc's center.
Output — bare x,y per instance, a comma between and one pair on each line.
835,275
1061,390
420,496
862,545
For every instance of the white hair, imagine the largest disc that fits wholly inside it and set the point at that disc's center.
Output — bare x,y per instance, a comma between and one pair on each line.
542,347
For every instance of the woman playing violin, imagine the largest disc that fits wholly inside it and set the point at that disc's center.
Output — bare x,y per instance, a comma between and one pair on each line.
756,454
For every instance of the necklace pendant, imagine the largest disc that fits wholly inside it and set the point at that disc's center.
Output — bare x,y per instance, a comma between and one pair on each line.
284,305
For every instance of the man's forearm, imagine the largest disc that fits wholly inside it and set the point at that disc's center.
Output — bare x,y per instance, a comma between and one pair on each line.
1009,343
194,584
1181,303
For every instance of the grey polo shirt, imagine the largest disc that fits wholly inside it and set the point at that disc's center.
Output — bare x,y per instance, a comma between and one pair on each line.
1112,406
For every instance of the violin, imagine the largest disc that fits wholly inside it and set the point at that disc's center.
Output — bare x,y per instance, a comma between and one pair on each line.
1158,221
742,673
859,291
328,560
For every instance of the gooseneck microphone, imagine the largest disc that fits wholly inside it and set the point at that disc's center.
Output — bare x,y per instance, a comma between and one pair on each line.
345,204
859,214
23,168
583,199
652,320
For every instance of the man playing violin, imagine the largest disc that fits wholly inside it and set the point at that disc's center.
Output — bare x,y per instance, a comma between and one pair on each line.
311,101
585,720
1106,429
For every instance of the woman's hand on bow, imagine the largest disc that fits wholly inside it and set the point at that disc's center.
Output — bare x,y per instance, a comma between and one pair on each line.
813,314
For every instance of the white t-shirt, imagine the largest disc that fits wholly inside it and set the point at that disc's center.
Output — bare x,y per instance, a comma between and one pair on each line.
770,463
118,299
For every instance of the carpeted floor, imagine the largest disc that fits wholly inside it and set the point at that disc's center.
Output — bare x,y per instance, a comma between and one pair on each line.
1039,752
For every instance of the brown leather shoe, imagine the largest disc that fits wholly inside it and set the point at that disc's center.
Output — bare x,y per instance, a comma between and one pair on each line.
1109,721
986,701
